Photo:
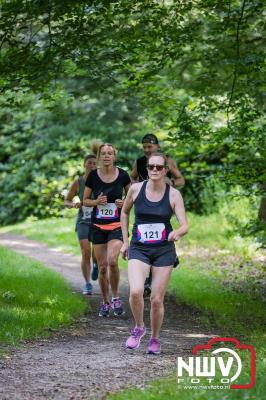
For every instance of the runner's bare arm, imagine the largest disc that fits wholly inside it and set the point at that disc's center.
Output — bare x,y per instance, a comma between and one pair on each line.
128,204
134,173
179,210
88,202
178,179
72,192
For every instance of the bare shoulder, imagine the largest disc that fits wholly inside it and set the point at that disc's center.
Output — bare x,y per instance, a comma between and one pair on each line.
175,197
175,193
135,189
75,185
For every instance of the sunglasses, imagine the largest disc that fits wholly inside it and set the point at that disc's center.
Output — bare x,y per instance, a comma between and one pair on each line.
157,167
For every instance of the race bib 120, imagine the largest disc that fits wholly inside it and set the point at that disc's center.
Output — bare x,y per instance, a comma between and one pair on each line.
151,233
107,211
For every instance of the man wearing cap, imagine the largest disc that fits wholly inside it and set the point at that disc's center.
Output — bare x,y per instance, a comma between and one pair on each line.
139,173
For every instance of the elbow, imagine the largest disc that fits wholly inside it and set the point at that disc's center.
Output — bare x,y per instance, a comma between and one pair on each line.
184,229
124,215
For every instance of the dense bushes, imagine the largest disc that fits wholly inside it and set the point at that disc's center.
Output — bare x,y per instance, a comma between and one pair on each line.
42,150
43,145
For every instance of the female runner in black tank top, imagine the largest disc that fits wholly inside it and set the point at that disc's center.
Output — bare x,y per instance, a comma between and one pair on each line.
107,184
139,173
152,245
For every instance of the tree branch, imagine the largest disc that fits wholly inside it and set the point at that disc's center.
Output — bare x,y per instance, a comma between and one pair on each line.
237,58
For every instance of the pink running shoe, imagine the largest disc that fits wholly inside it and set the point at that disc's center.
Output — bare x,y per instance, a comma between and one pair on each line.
154,346
133,341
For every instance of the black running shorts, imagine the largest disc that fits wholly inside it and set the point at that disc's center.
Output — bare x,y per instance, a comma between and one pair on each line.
157,256
100,236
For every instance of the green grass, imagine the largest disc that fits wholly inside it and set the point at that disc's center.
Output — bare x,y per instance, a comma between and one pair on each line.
33,299
212,231
166,389
192,285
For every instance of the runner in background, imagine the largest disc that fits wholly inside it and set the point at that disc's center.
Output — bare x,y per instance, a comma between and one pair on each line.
83,223
139,173
152,246
107,184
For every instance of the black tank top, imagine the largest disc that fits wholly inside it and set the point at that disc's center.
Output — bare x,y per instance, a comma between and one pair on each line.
152,219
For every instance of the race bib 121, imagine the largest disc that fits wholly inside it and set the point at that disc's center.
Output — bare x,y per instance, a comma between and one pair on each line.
151,233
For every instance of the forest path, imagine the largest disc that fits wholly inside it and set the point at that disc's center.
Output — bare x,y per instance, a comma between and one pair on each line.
88,360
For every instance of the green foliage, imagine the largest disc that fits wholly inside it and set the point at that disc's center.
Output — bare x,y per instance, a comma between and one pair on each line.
254,228
201,39
242,213
192,71
42,150
33,299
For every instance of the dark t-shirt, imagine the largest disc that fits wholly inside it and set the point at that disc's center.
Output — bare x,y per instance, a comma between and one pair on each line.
113,190
142,168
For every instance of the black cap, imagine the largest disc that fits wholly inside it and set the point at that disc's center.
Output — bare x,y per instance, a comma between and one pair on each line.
150,138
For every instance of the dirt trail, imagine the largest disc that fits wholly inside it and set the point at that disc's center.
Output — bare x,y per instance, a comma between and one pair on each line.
89,360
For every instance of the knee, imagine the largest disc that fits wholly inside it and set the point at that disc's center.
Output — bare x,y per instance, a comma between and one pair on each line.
85,254
136,294
112,262
156,301
102,269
